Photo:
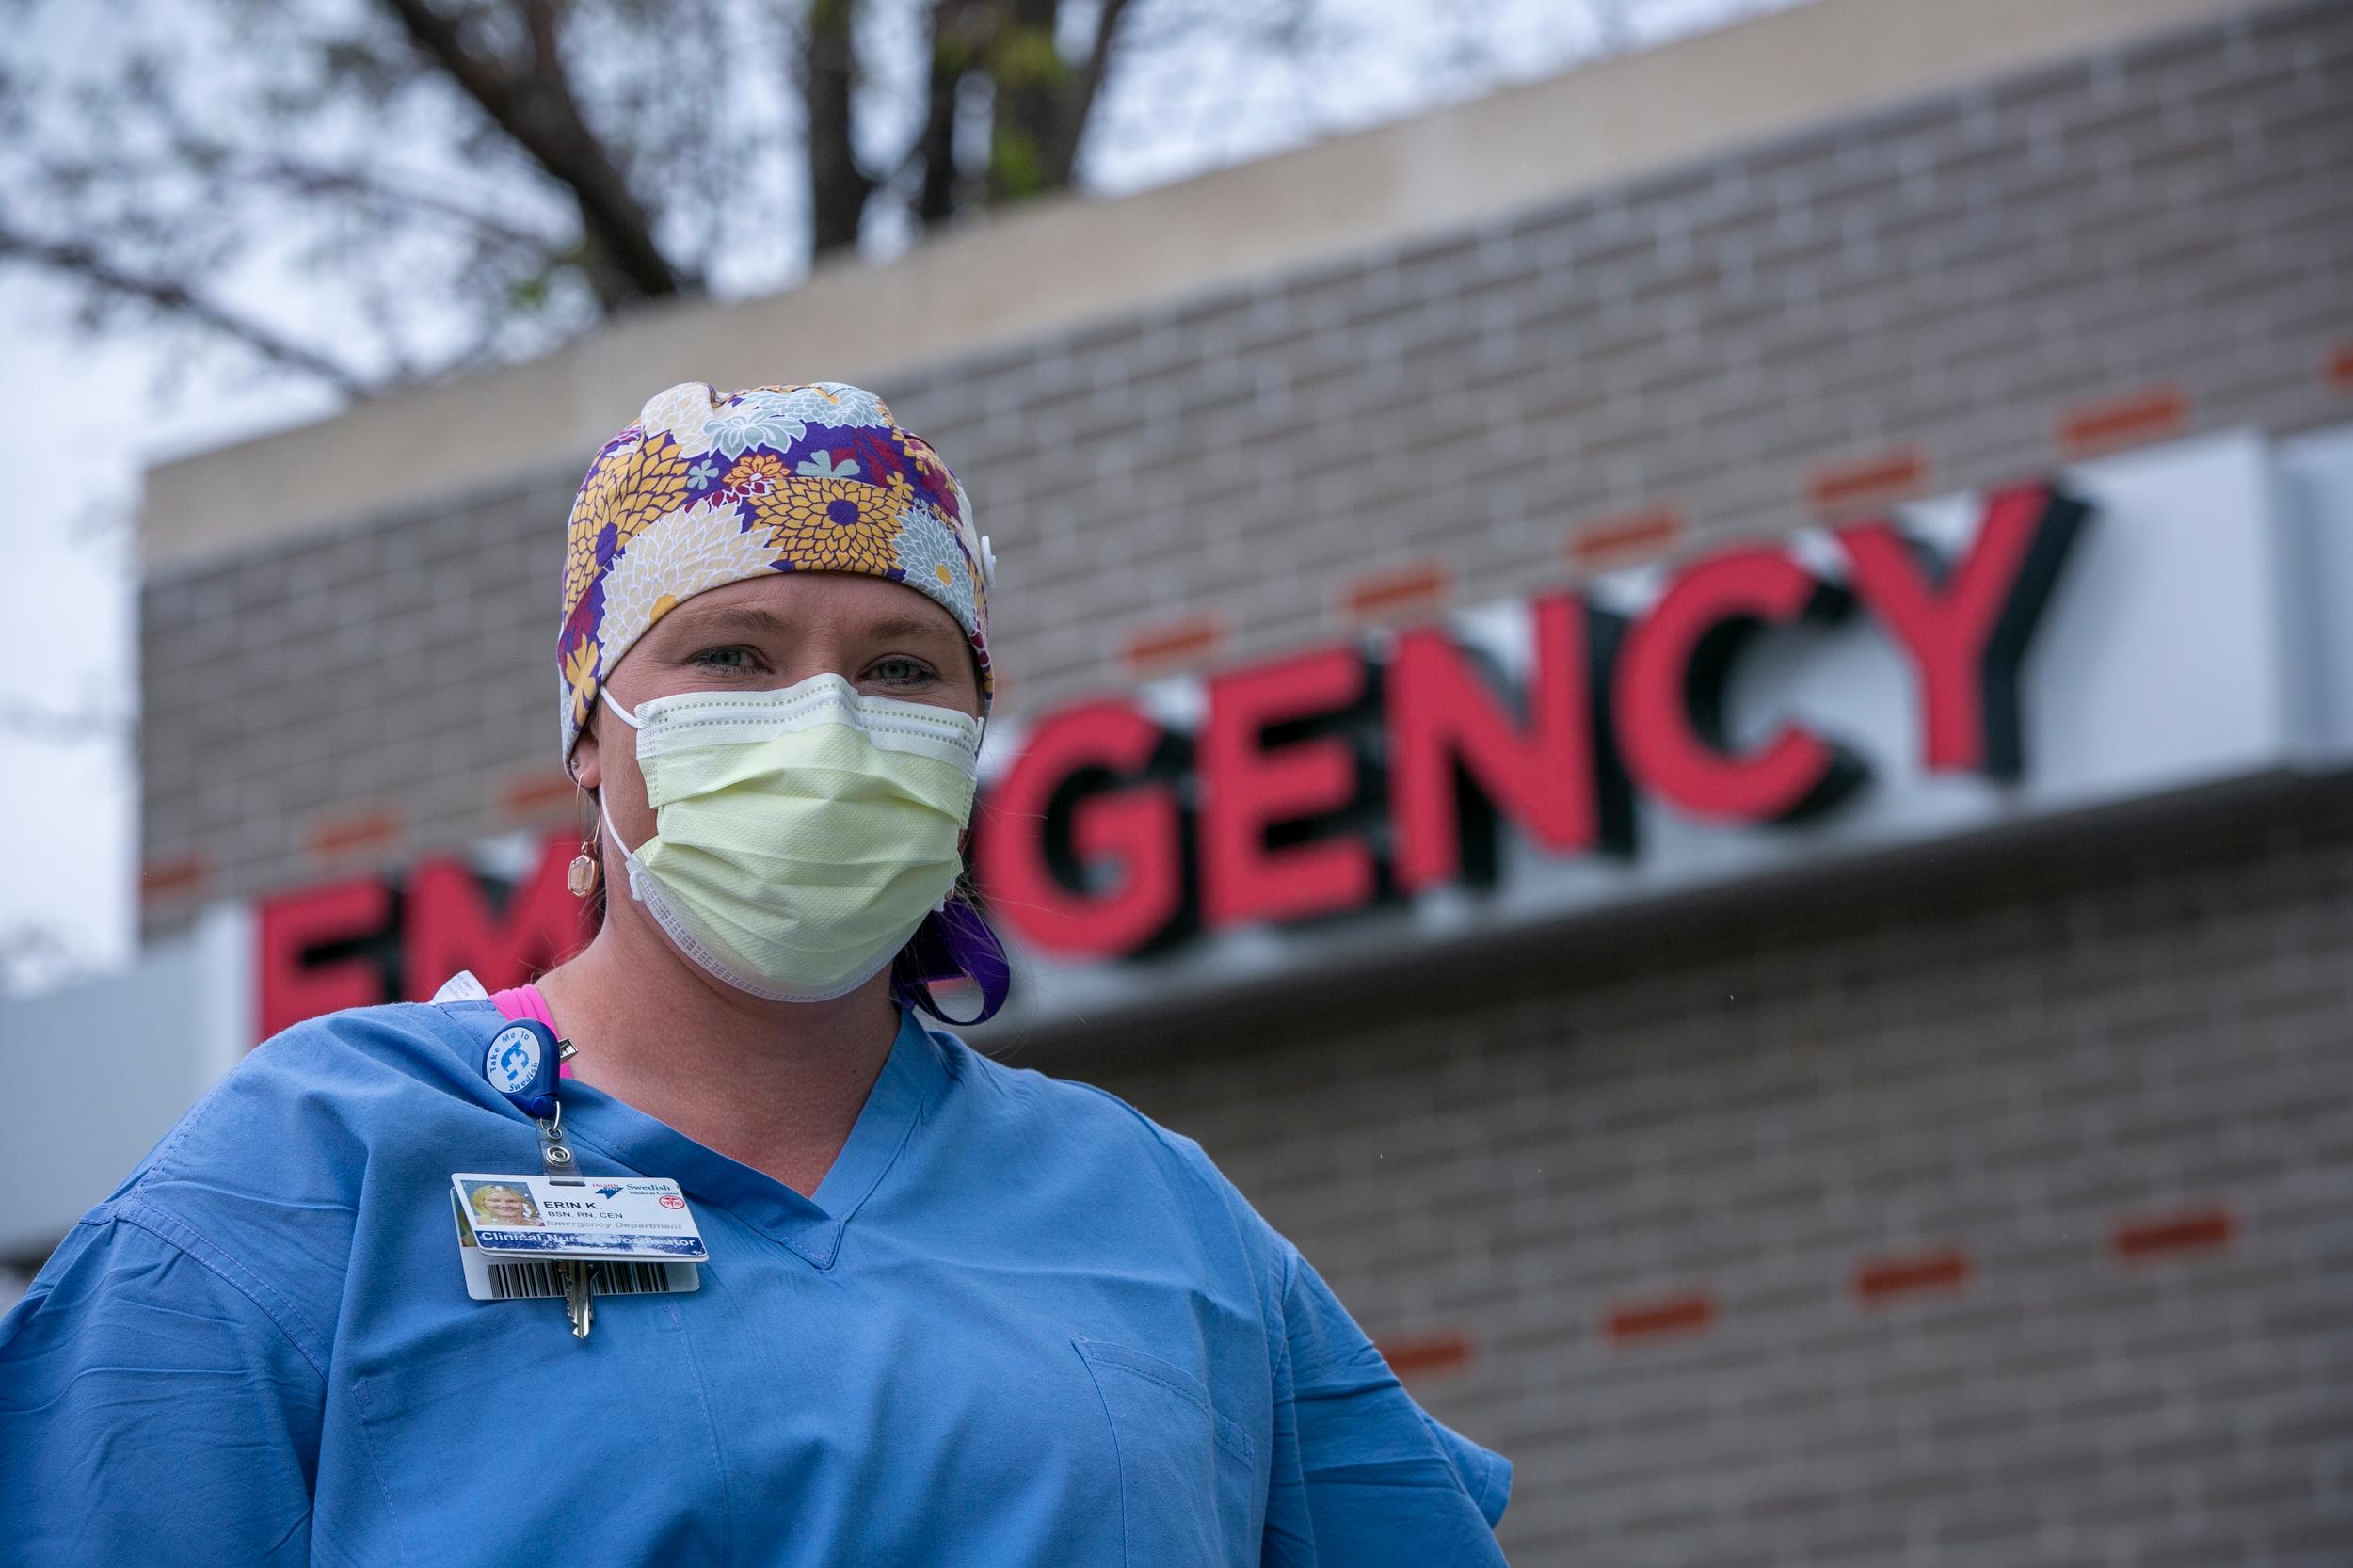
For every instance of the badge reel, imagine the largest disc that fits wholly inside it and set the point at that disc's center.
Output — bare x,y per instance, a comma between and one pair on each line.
560,1233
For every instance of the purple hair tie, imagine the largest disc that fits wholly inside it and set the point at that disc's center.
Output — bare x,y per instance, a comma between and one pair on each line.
952,943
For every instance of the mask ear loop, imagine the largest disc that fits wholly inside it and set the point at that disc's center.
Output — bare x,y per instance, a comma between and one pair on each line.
954,942
588,868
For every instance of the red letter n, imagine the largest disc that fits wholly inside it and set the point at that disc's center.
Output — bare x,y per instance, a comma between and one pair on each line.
1459,755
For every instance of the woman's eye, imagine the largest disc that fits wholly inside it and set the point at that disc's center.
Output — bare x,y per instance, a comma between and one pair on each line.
901,671
730,658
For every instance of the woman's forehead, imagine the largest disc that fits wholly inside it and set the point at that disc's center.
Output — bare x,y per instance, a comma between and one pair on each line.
805,603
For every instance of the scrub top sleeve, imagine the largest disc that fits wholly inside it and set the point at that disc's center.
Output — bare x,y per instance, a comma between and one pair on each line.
151,1411
1486,1475
1362,1477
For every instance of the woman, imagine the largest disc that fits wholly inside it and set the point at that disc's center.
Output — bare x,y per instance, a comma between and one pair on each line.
952,1312
501,1203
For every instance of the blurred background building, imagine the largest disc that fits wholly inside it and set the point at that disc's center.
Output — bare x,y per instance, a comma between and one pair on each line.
1696,716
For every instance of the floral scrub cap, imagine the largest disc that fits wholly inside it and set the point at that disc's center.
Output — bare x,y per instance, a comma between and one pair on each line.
708,488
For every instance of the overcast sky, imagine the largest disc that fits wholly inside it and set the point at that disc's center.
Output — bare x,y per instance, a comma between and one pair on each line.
78,418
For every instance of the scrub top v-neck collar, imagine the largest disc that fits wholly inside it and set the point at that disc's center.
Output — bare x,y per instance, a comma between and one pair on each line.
911,1077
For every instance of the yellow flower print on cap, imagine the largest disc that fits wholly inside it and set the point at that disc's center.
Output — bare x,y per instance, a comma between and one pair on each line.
830,525
580,680
627,491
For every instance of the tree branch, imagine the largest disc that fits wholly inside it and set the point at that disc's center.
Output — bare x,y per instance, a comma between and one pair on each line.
958,28
1026,107
537,109
1088,85
83,261
838,187
312,180
304,179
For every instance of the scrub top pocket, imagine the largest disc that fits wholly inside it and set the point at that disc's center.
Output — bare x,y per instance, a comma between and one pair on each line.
1187,1475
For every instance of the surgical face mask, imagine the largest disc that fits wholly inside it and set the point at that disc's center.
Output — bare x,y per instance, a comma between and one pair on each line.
800,835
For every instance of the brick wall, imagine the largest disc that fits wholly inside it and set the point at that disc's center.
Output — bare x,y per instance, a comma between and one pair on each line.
2077,1116
2083,1116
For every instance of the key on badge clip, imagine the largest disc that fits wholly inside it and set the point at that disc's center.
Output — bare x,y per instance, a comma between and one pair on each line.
578,1303
556,1158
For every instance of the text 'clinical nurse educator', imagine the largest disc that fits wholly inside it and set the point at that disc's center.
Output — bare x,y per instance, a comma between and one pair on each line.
705,1250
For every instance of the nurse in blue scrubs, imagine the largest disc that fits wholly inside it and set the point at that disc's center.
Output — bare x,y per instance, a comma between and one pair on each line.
952,1312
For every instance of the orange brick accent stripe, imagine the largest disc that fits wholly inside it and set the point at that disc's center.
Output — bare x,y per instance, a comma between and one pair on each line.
175,876
1394,590
2340,367
2197,1230
1688,1314
1174,642
538,793
367,828
1882,1277
1424,1355
2103,424
1624,538
1871,481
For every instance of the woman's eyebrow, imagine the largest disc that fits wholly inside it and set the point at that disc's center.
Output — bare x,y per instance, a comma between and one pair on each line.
752,621
912,626
739,620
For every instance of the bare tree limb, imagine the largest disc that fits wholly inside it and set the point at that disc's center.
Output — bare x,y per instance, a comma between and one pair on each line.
1088,84
1028,75
838,187
537,110
312,180
84,263
959,28
301,178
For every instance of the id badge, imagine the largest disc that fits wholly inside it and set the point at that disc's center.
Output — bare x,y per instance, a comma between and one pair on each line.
515,1231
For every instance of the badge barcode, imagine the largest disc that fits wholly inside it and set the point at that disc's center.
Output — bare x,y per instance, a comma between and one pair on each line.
515,1281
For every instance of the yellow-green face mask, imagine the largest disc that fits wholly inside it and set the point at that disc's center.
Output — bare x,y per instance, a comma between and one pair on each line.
800,835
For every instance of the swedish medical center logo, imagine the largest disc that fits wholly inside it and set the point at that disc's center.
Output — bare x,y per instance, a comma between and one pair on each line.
608,1191
513,1062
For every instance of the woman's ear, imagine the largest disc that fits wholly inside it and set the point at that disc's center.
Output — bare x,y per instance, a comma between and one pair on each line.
585,770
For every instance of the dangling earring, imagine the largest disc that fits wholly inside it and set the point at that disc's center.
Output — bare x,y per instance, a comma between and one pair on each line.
584,872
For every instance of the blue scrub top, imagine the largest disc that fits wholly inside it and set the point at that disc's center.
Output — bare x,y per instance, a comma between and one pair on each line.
1018,1323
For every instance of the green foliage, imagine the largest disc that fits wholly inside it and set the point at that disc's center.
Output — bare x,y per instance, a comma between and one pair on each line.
1016,168
1025,57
